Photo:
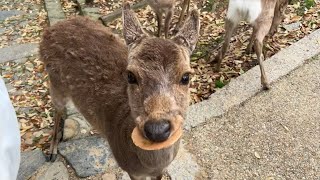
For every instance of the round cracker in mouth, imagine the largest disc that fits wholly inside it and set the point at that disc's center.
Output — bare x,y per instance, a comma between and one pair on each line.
145,144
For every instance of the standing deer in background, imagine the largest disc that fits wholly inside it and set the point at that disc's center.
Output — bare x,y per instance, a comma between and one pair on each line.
263,15
117,89
167,7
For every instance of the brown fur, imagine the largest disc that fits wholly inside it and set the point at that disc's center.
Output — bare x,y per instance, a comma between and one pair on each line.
88,65
167,7
267,22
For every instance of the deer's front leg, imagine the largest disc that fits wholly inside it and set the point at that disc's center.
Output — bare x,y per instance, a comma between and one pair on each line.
57,134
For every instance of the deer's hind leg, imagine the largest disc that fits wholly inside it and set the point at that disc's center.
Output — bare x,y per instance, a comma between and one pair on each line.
230,26
59,103
261,31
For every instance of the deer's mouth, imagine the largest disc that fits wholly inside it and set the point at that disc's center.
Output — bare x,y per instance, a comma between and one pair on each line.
157,134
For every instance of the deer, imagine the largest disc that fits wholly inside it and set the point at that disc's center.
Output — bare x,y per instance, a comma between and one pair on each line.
265,17
142,83
166,7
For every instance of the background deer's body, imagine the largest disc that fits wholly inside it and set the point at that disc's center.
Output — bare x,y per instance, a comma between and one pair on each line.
167,7
87,64
263,15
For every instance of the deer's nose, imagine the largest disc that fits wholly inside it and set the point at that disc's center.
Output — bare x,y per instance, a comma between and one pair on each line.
157,131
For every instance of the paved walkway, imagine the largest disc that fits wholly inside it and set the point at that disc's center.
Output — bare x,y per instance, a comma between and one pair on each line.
274,135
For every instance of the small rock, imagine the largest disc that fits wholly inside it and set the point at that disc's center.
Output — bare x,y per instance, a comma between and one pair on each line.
71,129
88,156
56,171
257,155
125,176
30,162
109,176
292,26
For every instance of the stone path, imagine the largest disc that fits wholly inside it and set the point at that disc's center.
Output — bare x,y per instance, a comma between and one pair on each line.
249,142
18,52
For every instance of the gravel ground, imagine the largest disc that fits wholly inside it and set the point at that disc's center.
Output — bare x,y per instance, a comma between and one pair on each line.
274,135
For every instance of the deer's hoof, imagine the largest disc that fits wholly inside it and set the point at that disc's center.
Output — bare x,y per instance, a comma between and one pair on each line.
249,50
71,129
265,86
51,157
217,68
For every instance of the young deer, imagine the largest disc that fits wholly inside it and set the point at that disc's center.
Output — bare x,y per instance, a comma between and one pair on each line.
117,89
167,7
263,15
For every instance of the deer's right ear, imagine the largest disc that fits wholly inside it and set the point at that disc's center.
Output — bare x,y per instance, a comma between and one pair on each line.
189,33
132,30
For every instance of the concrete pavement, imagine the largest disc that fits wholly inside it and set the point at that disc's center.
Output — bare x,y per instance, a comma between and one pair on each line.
274,135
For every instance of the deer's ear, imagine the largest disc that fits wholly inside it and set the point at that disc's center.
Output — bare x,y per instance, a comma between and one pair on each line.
132,30
189,33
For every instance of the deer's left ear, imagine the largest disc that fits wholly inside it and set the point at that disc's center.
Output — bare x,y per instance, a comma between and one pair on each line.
132,30
189,33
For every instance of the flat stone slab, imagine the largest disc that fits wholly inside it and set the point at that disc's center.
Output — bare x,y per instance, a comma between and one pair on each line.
30,162
54,10
247,85
18,51
6,14
88,156
56,171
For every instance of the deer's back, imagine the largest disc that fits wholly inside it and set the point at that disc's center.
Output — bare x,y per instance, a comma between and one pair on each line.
250,10
86,63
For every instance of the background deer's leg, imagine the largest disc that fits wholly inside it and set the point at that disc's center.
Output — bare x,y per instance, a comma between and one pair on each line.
229,27
159,19
278,16
167,22
251,40
185,6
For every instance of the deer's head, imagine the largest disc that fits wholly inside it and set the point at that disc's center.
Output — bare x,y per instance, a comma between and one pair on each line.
158,75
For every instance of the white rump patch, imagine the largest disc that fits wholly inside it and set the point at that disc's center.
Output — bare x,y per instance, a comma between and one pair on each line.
244,10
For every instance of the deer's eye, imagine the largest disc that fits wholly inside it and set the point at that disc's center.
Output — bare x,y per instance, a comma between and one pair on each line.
132,78
185,79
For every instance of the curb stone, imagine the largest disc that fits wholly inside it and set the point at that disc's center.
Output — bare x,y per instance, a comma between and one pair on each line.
247,85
